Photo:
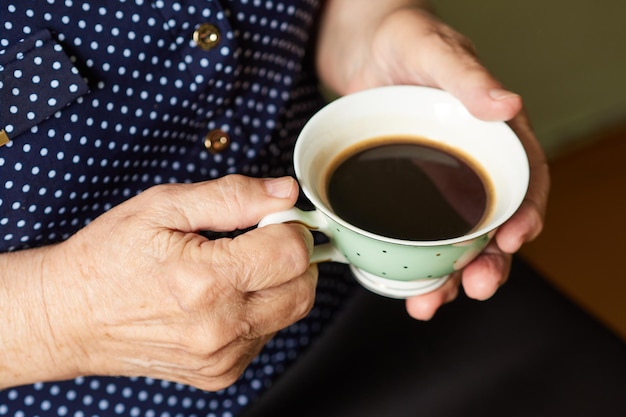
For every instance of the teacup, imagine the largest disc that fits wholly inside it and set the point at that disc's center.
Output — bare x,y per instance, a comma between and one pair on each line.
392,267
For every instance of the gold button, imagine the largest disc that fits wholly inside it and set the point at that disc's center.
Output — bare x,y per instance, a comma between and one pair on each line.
216,141
206,36
4,138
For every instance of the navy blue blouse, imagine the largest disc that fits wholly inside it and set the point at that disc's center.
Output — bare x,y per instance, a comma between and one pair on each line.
100,100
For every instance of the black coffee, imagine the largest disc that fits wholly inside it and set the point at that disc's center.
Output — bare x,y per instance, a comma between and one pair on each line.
408,189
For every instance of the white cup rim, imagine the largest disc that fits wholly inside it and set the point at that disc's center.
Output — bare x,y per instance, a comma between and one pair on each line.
438,96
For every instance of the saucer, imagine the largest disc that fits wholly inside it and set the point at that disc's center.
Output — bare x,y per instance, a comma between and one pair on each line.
396,289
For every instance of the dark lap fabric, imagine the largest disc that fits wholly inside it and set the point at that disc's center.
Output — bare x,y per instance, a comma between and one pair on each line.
526,352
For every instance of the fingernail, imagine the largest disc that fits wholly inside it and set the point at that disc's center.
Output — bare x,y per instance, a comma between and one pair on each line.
501,94
279,187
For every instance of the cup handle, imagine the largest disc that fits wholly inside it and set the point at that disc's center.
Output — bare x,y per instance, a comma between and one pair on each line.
314,220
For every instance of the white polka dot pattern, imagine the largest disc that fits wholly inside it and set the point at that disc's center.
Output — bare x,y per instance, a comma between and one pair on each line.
40,80
154,95
121,100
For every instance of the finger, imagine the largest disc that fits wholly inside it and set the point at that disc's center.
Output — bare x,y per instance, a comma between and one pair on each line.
523,227
225,204
232,361
259,316
485,274
446,59
465,78
424,307
528,222
210,372
261,258
273,309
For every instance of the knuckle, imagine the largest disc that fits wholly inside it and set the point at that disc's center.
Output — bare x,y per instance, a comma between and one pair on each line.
293,249
302,300
225,368
233,188
158,192
233,181
246,330
227,365
231,376
268,256
159,202
305,302
210,381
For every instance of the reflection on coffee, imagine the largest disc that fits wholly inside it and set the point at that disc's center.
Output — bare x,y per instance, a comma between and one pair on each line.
408,188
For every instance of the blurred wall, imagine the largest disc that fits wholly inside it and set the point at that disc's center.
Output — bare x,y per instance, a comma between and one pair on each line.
567,58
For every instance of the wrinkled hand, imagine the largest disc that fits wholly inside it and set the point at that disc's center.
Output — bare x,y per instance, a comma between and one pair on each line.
483,276
411,46
148,296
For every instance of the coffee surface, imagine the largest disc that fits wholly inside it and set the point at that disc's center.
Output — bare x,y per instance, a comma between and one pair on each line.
408,190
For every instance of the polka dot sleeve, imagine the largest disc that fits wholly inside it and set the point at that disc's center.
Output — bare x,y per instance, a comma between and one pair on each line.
37,79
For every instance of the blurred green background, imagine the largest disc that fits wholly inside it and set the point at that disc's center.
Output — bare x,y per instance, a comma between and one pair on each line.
568,61
566,58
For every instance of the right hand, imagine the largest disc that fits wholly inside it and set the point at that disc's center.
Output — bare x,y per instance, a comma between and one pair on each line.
401,42
138,292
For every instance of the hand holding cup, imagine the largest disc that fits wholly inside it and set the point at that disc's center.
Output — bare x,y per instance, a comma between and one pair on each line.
388,264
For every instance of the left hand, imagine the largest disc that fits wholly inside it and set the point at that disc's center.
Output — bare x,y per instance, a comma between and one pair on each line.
409,45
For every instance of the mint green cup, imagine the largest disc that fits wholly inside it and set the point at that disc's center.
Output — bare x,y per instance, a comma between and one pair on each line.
393,267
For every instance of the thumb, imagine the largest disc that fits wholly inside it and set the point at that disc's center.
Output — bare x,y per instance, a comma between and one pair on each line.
458,71
446,59
228,203
479,92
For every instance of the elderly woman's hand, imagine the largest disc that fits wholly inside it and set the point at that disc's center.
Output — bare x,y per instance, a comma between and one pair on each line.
401,42
138,292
